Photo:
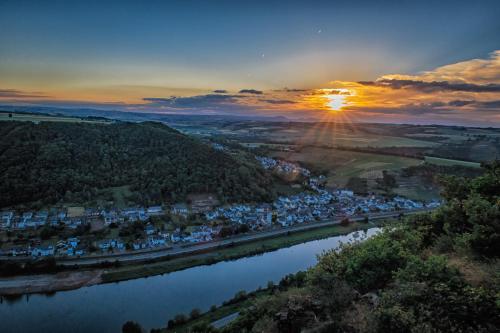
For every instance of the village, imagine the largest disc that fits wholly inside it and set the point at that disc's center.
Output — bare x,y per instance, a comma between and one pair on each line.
142,228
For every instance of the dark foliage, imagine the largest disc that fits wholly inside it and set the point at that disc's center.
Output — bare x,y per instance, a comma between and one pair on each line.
431,172
395,282
358,185
50,162
131,327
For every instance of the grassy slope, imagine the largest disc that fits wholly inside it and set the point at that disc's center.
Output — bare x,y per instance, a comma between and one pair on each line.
417,191
352,135
219,313
449,162
38,118
344,164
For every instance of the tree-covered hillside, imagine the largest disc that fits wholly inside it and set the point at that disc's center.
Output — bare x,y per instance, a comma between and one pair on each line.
50,162
436,272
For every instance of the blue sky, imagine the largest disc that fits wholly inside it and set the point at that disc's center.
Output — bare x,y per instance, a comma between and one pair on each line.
87,50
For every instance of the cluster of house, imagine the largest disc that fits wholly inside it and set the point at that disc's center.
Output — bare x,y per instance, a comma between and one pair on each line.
203,233
312,206
347,204
155,238
130,214
315,205
218,146
10,219
54,217
68,247
255,216
304,207
286,211
282,166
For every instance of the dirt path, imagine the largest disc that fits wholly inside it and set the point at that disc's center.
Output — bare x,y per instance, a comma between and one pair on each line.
47,283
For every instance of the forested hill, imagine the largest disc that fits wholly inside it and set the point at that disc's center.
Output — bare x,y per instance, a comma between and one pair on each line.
49,162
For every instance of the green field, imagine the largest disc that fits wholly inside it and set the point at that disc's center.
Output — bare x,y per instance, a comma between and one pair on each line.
120,194
323,134
342,164
417,191
4,116
334,137
448,162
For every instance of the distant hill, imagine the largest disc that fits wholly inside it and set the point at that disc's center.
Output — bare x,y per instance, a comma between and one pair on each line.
51,162
135,116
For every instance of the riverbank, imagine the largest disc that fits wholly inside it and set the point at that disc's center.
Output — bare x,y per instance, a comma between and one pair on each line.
48,283
217,316
154,300
234,252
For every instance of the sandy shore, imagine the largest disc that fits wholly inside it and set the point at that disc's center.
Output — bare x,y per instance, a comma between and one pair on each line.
47,283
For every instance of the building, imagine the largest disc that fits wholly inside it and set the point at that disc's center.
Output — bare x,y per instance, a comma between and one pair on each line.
179,209
155,210
42,251
6,218
150,229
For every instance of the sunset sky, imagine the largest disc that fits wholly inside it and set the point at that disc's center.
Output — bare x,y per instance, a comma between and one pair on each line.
378,61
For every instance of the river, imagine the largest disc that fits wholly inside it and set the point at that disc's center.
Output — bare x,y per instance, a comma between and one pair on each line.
152,301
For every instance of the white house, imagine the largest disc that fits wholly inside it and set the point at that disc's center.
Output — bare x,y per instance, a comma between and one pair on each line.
179,209
155,210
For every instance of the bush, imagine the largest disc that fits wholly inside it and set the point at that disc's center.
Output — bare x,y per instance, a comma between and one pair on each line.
358,185
131,327
369,265
202,328
180,319
194,314
46,232
444,244
345,222
430,296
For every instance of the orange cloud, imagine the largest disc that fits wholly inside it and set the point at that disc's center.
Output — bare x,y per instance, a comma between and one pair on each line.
453,93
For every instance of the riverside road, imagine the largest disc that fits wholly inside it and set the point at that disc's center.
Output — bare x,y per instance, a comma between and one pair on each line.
179,250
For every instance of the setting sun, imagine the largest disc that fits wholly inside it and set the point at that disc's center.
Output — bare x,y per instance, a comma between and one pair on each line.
336,102
336,98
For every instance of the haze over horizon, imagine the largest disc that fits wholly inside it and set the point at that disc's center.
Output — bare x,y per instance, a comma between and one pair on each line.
392,62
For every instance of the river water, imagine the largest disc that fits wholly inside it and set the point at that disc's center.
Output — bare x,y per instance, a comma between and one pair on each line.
152,301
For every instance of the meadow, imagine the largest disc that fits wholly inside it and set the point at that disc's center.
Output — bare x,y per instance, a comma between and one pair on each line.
450,162
326,134
36,118
342,164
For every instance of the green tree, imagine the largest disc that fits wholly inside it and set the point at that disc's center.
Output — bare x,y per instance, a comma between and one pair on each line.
194,314
131,327
358,185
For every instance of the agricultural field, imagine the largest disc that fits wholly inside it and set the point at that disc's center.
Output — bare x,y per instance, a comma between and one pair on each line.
332,137
414,188
323,134
36,118
341,164
450,162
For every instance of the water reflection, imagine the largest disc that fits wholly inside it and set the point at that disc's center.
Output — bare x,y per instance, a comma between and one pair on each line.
154,300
